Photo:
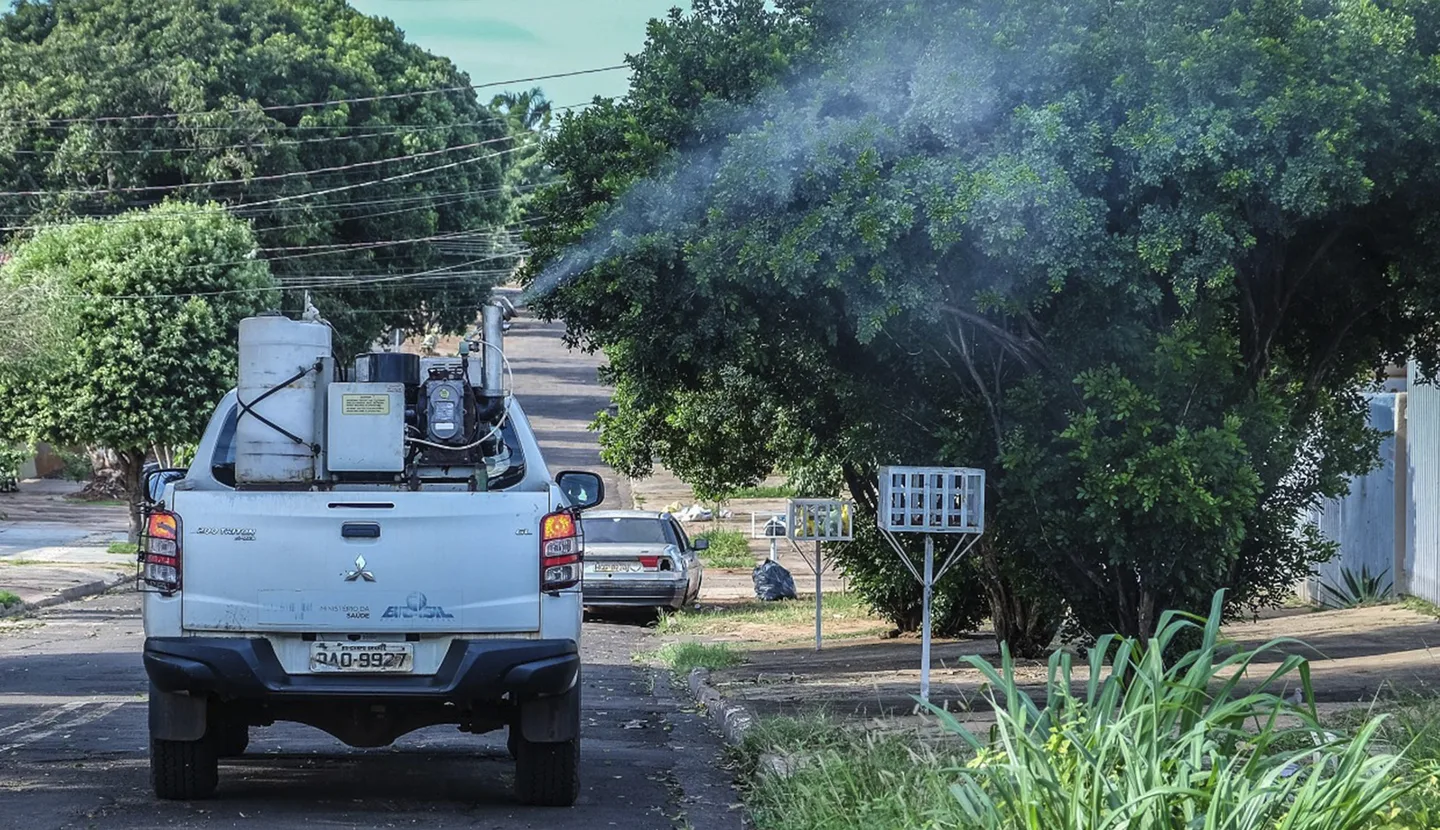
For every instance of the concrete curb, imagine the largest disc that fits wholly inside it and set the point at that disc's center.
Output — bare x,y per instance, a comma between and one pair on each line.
732,719
88,589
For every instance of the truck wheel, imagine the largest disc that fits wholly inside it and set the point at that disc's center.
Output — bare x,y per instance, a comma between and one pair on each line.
547,775
184,770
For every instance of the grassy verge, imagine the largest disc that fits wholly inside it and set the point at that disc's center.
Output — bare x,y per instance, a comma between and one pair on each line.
1153,744
725,619
844,779
681,658
728,549
125,548
8,599
1420,606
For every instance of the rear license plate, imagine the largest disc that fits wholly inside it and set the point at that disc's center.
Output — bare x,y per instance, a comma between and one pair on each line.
615,568
362,657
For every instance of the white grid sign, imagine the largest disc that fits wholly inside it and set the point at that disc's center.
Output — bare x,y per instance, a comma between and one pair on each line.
932,500
821,520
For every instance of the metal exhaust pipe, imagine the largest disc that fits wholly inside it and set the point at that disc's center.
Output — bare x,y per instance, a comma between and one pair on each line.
493,332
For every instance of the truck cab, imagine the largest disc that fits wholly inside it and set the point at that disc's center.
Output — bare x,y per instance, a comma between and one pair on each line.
441,588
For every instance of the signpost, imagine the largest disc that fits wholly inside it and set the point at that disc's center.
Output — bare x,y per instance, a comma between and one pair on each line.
769,526
819,521
932,501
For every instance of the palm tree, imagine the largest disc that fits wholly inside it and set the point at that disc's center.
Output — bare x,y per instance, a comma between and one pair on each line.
529,110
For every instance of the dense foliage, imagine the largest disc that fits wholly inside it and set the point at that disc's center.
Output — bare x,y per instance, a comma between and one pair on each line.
106,105
153,303
1135,259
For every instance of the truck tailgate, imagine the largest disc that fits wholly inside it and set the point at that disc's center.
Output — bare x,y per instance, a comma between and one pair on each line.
350,562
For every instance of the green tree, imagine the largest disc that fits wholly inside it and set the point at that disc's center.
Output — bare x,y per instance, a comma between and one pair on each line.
107,105
529,116
155,299
1134,259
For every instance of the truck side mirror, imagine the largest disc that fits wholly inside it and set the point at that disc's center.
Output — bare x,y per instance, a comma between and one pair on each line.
157,477
583,490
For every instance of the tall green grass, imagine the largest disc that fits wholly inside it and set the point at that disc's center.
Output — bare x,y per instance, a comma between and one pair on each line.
681,658
1141,743
728,549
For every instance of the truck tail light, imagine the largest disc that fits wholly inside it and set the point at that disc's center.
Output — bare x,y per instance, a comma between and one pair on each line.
561,552
160,551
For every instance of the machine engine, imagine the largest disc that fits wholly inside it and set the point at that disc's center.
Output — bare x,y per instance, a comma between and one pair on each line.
398,418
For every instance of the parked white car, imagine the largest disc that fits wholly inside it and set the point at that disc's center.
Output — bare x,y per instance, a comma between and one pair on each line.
640,559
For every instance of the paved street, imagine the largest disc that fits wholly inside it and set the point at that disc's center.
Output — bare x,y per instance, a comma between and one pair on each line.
73,715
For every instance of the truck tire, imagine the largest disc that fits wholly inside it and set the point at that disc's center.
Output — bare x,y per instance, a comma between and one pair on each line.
184,770
547,775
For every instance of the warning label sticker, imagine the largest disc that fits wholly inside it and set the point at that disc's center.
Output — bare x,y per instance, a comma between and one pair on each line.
364,404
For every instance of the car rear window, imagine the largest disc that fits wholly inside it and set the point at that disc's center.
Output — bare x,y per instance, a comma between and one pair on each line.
625,531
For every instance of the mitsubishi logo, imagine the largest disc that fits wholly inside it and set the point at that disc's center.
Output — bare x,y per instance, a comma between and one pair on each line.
360,572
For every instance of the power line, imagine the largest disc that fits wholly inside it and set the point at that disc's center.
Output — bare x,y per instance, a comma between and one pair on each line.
266,178
107,119
386,180
349,187
289,287
254,144
259,143
423,201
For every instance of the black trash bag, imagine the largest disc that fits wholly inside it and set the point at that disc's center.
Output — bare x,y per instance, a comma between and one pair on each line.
773,582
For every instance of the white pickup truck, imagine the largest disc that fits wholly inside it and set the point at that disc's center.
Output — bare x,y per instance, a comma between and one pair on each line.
311,572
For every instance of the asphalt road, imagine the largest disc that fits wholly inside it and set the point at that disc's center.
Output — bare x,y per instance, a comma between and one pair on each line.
73,741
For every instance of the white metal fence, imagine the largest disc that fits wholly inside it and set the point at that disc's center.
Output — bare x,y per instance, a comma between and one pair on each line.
1390,520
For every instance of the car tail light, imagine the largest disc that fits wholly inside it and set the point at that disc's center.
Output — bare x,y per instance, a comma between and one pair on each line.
561,551
650,563
160,551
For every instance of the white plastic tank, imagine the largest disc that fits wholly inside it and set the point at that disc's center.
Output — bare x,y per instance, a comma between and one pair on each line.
273,350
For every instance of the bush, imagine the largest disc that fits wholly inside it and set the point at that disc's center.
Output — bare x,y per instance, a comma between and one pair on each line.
728,549
875,572
11,457
77,466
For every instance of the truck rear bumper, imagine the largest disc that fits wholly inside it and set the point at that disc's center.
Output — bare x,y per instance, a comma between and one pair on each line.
247,669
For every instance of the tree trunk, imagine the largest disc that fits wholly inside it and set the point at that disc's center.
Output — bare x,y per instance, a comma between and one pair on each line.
107,479
132,466
117,477
1026,623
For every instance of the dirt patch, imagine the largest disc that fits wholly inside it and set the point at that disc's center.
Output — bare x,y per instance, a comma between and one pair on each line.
43,501
1355,655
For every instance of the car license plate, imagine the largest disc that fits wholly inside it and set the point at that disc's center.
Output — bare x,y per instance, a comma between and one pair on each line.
615,567
349,656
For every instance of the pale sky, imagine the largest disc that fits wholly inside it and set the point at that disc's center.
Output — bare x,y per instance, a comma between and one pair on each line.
496,40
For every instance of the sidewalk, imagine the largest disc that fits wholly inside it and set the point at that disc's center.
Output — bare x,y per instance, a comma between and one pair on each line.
54,550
